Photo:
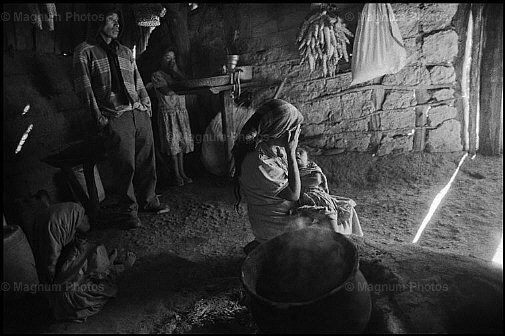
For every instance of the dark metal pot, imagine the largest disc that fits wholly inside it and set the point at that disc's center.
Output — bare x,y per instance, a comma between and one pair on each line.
307,281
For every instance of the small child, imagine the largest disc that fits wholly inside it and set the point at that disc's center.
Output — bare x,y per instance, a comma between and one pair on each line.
315,195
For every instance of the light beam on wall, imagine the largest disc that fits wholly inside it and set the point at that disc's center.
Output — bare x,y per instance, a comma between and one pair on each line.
498,256
26,109
23,139
437,200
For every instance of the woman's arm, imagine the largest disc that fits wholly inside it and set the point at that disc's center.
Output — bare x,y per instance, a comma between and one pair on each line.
165,91
292,190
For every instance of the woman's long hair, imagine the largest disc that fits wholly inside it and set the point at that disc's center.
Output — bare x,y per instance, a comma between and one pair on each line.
243,145
248,137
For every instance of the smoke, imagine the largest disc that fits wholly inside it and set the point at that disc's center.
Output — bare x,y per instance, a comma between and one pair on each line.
303,265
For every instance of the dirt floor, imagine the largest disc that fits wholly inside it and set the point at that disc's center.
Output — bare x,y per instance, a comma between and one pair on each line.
187,276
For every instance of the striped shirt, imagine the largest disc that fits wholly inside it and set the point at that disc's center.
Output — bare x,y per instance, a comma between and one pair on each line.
92,81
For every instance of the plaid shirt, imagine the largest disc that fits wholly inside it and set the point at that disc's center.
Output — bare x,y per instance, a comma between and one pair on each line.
92,81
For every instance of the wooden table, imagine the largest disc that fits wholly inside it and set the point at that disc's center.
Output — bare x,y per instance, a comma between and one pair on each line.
227,110
87,152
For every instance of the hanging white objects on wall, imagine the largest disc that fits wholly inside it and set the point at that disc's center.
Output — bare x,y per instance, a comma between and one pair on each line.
148,14
322,40
40,12
378,46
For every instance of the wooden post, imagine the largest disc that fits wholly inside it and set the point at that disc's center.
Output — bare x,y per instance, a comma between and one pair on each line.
474,104
228,124
420,131
491,127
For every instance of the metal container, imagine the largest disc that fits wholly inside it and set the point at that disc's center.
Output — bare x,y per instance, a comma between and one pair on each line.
315,284
232,61
19,270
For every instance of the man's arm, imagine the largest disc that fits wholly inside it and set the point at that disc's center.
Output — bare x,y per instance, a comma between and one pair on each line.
141,90
82,87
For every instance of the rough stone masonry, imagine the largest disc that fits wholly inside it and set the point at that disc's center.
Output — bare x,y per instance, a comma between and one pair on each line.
385,114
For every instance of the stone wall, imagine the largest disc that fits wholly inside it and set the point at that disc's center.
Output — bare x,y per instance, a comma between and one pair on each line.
414,109
44,83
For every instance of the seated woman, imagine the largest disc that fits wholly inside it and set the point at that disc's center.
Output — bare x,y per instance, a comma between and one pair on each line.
266,171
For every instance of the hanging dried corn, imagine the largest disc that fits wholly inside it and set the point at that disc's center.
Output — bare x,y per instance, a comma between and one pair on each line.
322,40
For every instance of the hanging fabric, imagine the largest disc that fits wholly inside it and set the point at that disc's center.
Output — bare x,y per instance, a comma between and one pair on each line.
378,47
148,14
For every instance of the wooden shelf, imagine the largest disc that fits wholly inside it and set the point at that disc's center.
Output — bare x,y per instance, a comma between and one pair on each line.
217,89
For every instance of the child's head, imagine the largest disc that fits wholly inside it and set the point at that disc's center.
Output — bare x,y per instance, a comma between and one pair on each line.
302,157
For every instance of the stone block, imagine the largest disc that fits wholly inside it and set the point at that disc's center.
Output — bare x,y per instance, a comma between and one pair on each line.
422,96
446,138
357,104
357,143
304,91
399,99
272,72
436,16
439,114
443,94
440,47
316,142
413,50
333,151
407,16
338,83
409,75
442,75
391,120
360,125
395,143
310,130
317,111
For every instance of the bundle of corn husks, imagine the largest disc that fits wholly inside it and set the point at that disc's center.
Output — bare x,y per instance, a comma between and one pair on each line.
323,39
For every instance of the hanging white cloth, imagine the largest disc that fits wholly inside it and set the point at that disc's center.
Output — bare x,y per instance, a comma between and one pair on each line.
378,47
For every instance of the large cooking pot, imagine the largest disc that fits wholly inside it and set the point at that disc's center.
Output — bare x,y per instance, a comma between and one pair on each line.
307,281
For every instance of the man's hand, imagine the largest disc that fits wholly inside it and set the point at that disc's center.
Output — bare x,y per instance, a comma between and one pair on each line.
102,124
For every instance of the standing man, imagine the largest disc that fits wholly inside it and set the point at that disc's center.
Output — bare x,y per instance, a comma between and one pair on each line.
110,86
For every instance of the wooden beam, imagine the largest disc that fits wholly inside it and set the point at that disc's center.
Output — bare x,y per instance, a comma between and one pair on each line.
228,124
491,113
474,104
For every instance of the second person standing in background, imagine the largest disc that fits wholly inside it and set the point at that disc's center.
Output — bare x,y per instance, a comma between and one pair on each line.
173,119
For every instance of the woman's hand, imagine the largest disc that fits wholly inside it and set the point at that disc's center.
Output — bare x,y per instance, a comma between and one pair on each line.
291,140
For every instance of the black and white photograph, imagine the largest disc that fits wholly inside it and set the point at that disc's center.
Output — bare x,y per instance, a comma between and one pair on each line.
252,168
